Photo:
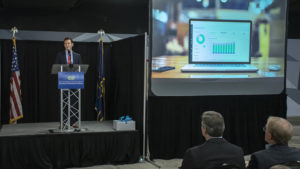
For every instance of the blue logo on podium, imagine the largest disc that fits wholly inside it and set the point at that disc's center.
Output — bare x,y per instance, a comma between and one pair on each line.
70,80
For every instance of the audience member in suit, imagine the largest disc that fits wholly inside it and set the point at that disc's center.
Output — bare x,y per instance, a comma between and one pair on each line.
68,56
63,56
278,132
216,151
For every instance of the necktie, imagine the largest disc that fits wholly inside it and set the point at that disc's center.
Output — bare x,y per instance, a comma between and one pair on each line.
69,57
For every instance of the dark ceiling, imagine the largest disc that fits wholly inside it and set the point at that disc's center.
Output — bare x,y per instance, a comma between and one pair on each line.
114,16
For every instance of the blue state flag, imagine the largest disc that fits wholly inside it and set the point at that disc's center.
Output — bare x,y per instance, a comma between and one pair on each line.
99,105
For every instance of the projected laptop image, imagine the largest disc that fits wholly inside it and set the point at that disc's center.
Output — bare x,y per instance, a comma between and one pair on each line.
219,46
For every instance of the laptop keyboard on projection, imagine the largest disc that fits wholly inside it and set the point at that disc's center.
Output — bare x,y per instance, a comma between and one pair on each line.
219,46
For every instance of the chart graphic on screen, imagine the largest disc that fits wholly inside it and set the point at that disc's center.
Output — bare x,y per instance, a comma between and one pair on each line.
223,48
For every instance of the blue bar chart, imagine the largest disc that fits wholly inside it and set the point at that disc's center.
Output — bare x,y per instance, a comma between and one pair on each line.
223,48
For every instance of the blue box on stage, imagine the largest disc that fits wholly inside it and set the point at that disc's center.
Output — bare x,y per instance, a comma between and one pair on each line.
124,125
70,80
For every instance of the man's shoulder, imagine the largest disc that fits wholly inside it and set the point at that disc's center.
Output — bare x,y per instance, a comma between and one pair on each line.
197,147
236,147
273,155
261,152
277,149
293,150
224,143
213,142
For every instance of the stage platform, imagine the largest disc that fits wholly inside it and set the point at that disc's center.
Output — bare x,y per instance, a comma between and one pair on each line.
31,145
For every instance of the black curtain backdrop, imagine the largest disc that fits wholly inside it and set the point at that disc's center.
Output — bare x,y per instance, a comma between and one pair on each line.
175,122
124,65
125,76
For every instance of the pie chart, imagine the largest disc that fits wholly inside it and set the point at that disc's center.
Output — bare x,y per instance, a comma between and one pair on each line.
200,39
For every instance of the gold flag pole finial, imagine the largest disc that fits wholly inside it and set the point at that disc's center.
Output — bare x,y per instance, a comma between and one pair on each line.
101,33
14,30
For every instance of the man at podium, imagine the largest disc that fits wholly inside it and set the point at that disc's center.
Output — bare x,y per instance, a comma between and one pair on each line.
68,56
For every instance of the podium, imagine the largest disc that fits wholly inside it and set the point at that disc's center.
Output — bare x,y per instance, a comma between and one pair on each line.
70,83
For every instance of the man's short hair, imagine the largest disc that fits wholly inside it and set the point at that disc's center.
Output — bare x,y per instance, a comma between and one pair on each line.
213,122
68,38
280,129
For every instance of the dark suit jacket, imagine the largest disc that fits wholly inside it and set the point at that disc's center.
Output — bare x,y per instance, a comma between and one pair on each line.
275,154
61,58
213,153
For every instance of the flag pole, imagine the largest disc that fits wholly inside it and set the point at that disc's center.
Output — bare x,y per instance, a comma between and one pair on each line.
14,30
101,76
17,112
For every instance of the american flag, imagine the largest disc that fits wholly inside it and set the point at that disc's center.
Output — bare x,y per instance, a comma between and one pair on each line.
16,111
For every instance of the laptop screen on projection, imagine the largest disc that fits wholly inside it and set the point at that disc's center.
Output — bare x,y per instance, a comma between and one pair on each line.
219,41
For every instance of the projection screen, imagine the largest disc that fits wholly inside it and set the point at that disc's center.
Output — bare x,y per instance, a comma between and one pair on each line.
171,44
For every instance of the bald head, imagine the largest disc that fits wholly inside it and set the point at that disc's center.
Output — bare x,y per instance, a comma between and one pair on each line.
280,130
